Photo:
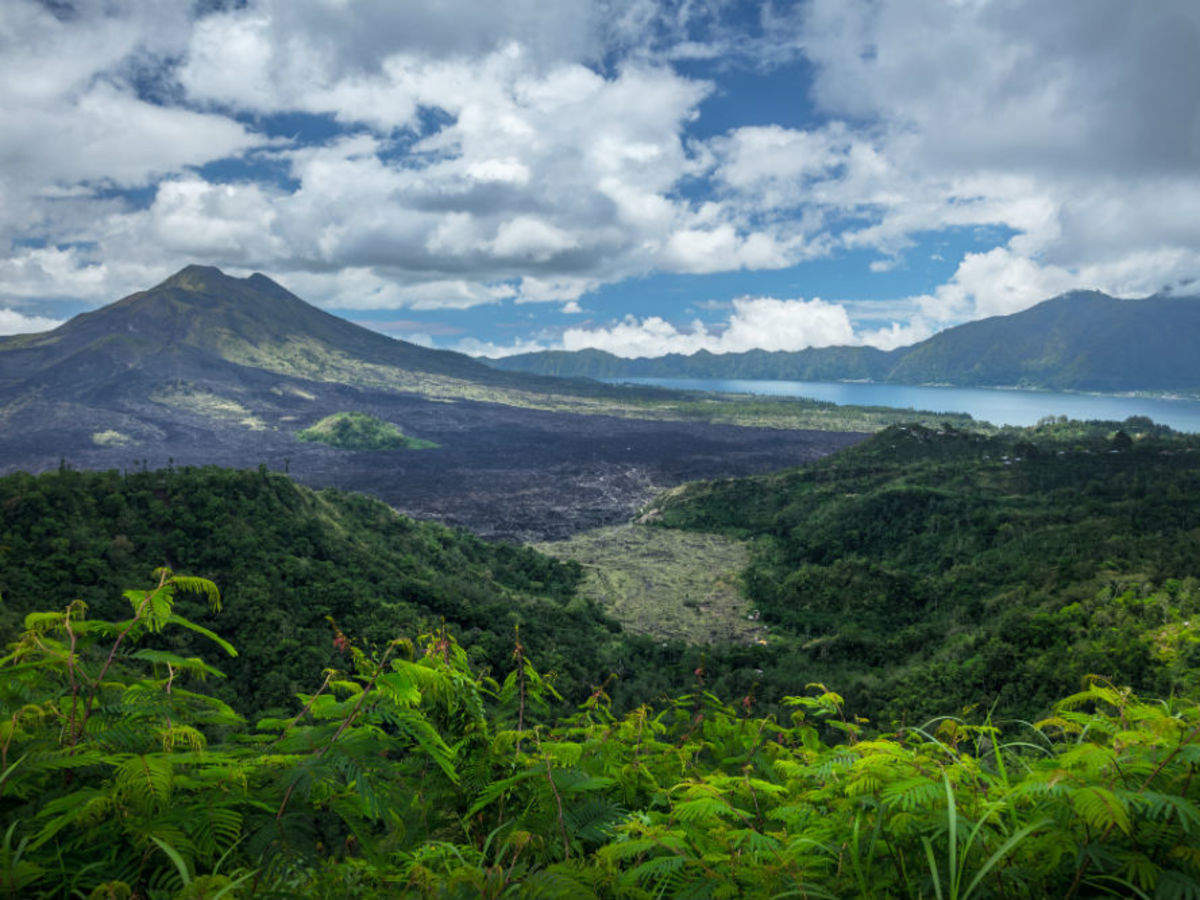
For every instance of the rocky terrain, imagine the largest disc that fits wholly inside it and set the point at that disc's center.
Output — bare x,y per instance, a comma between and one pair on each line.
208,369
501,471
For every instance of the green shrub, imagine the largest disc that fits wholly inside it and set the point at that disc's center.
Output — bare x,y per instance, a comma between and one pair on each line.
359,431
406,773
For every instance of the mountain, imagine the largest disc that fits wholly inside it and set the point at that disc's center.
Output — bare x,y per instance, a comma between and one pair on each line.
1084,340
207,368
201,323
812,364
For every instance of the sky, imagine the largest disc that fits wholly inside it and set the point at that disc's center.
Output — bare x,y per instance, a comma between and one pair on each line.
641,177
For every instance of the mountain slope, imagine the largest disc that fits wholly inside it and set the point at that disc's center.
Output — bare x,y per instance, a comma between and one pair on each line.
1084,340
205,368
924,570
285,559
201,318
812,364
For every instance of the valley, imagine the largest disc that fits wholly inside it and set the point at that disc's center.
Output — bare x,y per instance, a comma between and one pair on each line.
210,369
502,471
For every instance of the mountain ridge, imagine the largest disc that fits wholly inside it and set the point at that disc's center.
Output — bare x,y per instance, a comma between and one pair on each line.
1081,340
238,320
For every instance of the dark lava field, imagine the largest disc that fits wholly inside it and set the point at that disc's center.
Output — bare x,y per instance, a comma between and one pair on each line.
502,472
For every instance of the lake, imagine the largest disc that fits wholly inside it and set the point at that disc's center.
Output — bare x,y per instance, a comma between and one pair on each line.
1000,407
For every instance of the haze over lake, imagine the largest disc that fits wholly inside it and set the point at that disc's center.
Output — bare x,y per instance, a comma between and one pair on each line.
1000,407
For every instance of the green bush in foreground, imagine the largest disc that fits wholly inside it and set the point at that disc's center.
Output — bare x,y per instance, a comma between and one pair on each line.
359,431
407,774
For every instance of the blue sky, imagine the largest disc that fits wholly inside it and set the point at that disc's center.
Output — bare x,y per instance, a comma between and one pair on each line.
644,177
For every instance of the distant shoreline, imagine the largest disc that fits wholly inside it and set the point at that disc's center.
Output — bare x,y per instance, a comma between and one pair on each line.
997,406
1189,397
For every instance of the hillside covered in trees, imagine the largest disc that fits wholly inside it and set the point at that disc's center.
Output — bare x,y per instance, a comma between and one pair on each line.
919,571
950,698
294,564
928,570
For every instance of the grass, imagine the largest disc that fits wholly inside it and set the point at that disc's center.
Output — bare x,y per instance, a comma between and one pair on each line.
665,583
110,438
205,403
359,431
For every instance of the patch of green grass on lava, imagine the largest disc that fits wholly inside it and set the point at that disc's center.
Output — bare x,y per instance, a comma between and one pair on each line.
359,431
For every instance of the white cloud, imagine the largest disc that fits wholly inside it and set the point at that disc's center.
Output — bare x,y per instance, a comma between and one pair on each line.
756,322
896,335
505,171
49,272
530,239
71,122
493,350
194,218
534,152
553,290
364,288
13,322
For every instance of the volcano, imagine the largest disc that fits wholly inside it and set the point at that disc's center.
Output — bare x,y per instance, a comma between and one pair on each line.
206,368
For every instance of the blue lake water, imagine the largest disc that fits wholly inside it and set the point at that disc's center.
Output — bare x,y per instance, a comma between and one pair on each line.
1000,407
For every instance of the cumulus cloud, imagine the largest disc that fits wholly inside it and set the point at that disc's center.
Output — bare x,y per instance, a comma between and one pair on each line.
755,322
494,350
1075,124
13,322
71,121
478,153
764,323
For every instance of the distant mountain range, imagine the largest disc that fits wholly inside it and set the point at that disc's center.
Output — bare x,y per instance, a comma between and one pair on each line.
1084,340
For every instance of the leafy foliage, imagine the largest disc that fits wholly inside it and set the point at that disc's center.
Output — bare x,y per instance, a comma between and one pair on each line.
287,560
359,431
408,772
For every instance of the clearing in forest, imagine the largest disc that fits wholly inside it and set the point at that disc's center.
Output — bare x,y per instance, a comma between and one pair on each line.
666,583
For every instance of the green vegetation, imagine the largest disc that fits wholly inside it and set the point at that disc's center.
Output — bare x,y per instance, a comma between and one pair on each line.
774,412
359,431
287,559
920,572
345,702
668,584
110,438
405,772
925,571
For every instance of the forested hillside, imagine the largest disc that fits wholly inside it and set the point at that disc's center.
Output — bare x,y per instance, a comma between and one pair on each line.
288,560
811,364
926,571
